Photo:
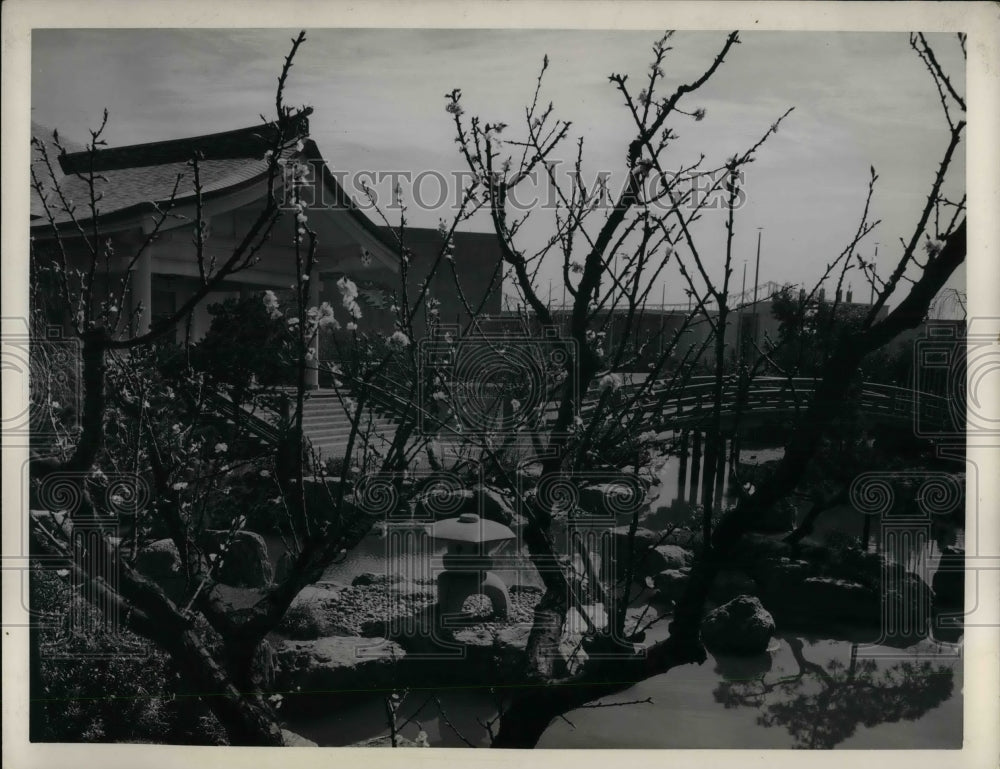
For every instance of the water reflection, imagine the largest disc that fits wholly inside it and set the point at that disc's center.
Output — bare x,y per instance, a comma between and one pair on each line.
822,705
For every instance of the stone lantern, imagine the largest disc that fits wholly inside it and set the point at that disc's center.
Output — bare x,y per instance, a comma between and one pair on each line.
467,563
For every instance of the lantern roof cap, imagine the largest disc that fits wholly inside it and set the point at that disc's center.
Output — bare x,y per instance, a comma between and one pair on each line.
469,527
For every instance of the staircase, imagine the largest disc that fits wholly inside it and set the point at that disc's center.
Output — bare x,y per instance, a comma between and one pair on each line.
328,427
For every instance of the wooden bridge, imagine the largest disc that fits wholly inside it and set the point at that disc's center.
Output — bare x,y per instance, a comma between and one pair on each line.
659,407
766,399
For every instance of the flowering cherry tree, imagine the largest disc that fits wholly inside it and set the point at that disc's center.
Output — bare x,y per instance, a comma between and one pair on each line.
583,413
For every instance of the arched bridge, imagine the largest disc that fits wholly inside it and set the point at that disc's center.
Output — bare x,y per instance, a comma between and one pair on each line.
768,399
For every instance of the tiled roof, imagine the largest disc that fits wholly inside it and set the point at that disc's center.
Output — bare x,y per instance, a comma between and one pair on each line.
135,176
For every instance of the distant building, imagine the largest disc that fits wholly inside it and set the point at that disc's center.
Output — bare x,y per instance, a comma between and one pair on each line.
750,322
137,179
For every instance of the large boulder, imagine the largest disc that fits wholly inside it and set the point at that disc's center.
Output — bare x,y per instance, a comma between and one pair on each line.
245,561
494,650
315,613
612,499
667,557
160,561
367,578
336,664
826,599
742,626
670,584
648,557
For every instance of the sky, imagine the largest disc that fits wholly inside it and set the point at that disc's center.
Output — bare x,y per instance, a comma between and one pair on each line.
860,99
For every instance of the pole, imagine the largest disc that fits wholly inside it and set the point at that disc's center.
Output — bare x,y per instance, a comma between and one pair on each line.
741,325
756,283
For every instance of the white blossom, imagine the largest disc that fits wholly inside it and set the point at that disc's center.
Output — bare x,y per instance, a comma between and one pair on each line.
221,448
610,382
271,304
933,247
399,339
180,486
349,296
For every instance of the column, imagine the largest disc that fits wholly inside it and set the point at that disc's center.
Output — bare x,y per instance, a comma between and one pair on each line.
695,467
312,365
683,466
720,472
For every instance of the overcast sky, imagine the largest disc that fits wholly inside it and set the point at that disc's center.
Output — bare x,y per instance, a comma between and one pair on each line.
860,99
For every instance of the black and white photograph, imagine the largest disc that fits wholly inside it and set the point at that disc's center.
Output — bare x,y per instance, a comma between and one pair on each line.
489,387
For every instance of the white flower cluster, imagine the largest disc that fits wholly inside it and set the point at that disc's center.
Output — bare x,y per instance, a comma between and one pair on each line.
325,317
610,382
399,339
271,304
349,297
934,247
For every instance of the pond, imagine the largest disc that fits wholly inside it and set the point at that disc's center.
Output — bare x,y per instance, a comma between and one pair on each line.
809,690
806,692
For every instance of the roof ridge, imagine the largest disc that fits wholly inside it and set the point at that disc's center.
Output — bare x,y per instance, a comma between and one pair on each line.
240,143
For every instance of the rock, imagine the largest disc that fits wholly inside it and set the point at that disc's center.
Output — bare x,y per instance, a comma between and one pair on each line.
644,538
304,622
825,599
337,663
673,557
160,561
730,583
245,562
647,561
614,498
293,740
670,584
494,649
742,626
371,578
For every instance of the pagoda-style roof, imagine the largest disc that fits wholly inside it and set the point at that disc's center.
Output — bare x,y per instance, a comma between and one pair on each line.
133,181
